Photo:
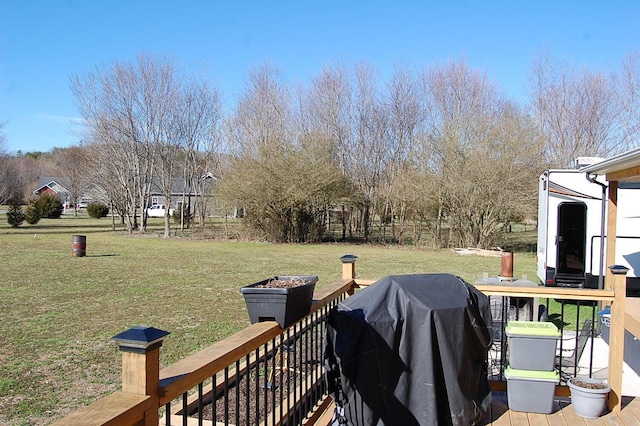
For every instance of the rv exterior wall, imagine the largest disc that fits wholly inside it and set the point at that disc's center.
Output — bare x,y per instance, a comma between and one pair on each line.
559,186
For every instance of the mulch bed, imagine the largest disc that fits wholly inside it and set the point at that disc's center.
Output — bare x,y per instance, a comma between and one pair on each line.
253,402
292,283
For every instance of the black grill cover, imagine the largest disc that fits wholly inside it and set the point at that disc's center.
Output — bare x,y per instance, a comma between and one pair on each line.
410,350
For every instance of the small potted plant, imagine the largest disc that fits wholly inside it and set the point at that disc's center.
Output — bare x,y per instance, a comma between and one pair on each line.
285,299
588,396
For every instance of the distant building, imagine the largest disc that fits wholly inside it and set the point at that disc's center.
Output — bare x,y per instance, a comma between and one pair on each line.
58,186
53,186
178,190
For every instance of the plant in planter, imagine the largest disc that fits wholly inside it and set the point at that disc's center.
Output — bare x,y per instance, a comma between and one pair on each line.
588,396
284,299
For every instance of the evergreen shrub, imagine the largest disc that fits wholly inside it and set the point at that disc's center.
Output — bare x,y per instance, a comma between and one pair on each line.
49,206
31,214
97,210
15,215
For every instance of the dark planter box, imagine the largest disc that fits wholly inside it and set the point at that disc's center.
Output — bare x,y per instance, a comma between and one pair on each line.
283,305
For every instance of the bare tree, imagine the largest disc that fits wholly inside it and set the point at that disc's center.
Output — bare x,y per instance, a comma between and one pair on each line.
629,95
485,155
198,126
281,174
109,173
576,111
127,107
73,163
3,138
457,98
18,173
368,153
327,111
406,124
8,187
259,133
169,151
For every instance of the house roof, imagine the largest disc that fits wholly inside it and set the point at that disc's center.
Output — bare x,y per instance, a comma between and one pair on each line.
178,186
50,183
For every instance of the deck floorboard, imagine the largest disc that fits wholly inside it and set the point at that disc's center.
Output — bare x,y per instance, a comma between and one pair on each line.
563,414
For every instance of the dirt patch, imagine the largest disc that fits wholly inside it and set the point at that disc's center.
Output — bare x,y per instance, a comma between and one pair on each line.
493,252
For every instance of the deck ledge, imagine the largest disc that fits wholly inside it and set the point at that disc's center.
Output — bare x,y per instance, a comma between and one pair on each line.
115,409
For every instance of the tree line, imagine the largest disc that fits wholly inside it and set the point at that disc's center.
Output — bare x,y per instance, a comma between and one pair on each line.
438,152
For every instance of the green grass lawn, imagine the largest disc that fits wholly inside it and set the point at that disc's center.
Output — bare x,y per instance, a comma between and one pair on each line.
58,312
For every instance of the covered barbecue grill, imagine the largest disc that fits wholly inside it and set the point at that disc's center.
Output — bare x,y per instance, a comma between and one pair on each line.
410,350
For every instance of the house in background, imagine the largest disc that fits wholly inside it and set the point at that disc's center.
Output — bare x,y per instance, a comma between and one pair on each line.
53,186
192,195
58,186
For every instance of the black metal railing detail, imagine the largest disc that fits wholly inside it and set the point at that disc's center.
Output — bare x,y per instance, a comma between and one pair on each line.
281,381
581,333
278,383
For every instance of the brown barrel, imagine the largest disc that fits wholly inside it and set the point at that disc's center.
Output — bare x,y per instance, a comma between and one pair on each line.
79,245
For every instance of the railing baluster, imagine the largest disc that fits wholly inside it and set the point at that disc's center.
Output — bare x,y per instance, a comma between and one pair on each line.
257,390
167,414
561,334
319,344
266,378
293,383
214,400
307,362
237,386
280,389
247,389
289,378
185,414
226,395
503,337
594,327
575,350
316,357
274,351
200,404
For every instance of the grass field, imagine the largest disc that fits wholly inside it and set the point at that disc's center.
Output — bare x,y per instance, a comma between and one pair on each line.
58,312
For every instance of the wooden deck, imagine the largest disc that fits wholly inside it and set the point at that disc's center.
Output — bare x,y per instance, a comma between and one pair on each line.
563,414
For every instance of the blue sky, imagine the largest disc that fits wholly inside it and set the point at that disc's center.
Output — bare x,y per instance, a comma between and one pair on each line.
43,43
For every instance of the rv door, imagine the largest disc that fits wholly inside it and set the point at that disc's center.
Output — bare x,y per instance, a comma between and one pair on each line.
571,244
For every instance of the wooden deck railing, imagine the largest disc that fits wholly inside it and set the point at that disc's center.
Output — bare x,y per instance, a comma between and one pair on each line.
149,393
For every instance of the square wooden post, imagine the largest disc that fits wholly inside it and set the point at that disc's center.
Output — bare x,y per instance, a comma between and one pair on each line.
140,347
616,336
349,268
612,225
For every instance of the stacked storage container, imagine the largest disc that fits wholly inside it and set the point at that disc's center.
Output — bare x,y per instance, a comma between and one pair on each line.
531,374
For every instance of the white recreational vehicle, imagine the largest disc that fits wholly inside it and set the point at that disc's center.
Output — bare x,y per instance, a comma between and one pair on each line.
572,210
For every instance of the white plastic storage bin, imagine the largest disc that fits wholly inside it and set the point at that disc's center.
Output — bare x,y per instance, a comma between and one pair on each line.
531,391
532,345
